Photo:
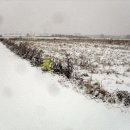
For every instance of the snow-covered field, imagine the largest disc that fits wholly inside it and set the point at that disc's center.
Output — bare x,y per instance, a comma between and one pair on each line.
32,100
108,64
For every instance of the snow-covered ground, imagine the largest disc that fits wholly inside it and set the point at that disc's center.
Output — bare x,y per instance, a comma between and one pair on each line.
108,64
32,100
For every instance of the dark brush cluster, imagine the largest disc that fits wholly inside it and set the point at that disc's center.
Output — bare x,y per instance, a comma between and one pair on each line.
24,51
123,96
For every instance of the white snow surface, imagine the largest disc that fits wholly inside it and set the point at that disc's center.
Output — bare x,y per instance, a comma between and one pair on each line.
32,100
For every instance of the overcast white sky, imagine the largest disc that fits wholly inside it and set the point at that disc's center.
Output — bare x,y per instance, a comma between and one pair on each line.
65,16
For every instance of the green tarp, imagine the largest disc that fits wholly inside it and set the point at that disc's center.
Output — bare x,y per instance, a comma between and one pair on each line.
46,64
